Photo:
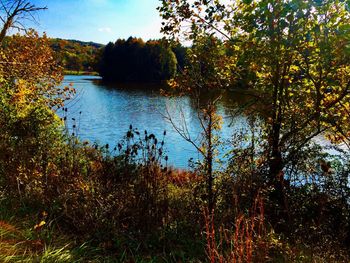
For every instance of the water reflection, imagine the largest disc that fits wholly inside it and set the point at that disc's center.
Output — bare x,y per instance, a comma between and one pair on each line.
104,113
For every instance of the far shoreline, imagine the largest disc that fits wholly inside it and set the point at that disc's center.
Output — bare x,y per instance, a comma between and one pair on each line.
81,73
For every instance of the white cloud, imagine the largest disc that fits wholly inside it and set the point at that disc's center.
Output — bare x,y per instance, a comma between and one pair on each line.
105,29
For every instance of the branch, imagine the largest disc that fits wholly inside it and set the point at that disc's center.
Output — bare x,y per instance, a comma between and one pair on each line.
15,10
302,144
315,115
182,133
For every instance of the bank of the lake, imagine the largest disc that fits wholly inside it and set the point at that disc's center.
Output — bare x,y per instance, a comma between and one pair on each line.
80,73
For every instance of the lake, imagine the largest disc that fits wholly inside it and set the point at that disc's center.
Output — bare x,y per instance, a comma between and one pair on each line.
104,113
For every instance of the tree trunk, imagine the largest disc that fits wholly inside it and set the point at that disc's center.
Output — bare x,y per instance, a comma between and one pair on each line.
210,163
5,28
276,195
276,165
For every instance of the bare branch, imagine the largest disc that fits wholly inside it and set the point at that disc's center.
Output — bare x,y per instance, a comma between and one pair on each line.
182,132
15,10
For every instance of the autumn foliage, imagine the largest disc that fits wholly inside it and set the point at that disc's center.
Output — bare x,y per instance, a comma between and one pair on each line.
281,197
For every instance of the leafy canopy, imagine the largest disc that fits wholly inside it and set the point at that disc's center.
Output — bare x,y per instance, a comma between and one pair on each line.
293,55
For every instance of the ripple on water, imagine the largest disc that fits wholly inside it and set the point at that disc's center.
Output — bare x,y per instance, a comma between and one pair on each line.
106,114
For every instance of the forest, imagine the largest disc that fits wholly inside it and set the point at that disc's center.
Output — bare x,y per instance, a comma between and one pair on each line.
283,196
76,56
130,60
133,60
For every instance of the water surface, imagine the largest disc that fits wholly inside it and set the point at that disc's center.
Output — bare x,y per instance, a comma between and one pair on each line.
103,114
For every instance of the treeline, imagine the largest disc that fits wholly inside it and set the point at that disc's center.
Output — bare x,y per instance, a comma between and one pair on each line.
130,60
136,60
74,55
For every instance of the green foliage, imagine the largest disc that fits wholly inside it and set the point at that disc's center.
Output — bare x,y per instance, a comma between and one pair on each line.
75,55
134,60
292,58
119,201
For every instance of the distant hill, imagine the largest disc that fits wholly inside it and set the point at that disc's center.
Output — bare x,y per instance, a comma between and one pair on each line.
82,43
75,55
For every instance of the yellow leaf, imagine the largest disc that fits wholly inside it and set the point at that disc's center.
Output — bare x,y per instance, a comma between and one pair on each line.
40,225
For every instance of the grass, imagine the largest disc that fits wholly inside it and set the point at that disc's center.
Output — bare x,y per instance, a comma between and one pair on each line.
21,241
25,244
17,245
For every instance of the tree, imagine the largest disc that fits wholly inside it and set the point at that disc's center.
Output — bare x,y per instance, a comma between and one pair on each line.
13,12
76,55
204,79
30,73
29,95
293,55
134,60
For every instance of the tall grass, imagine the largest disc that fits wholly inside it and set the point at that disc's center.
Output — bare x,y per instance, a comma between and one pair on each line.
245,242
16,246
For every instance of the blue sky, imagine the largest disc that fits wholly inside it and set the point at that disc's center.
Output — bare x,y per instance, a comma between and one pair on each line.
100,21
